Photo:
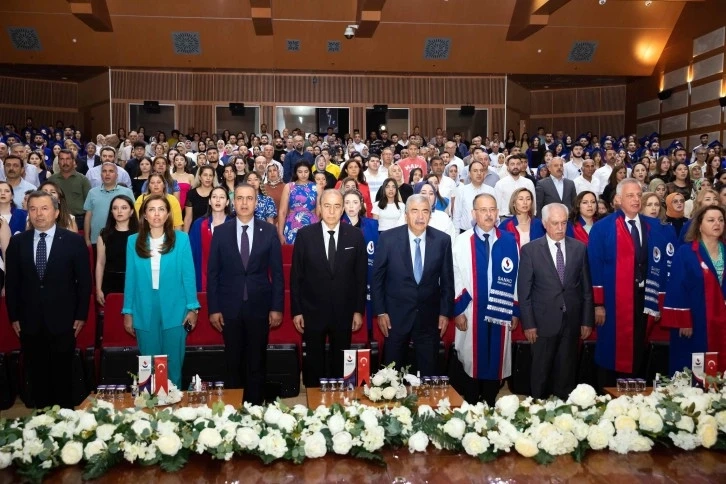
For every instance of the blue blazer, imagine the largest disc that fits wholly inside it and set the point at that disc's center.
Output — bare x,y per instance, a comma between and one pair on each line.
394,289
177,284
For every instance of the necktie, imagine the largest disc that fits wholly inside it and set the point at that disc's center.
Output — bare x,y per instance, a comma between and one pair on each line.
244,252
560,262
331,250
41,256
417,262
635,234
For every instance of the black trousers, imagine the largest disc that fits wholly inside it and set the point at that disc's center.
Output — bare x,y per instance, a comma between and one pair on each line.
245,349
48,359
425,338
607,377
480,390
339,335
554,362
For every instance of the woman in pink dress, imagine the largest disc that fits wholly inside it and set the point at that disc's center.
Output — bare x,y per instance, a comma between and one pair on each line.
181,172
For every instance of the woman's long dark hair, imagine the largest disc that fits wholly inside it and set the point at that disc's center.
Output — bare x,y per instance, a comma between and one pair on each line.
575,212
438,196
344,173
110,227
142,242
65,218
226,207
383,202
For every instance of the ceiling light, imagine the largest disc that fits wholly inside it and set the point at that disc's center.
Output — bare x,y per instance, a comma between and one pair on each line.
648,3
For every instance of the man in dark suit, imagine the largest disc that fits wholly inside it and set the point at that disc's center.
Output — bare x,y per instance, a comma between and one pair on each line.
555,188
245,292
89,160
328,287
556,303
48,286
413,287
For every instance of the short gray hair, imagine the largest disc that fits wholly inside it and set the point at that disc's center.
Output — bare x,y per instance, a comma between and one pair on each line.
623,182
110,163
417,198
548,208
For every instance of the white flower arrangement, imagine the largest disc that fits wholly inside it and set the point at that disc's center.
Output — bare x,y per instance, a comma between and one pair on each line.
388,384
101,437
146,400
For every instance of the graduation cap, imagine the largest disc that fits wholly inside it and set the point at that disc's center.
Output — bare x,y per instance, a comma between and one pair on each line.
715,143
644,141
654,136
674,144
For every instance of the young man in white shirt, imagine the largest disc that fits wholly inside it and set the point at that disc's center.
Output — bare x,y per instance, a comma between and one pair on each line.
573,168
506,186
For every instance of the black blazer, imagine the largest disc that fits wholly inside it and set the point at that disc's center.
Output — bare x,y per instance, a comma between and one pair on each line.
82,164
394,289
319,294
546,193
226,276
61,297
542,296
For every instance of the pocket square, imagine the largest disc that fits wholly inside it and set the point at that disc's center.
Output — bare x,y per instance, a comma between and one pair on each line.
347,248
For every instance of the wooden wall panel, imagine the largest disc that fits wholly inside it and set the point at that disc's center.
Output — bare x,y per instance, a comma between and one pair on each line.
588,100
541,102
267,87
11,90
419,88
119,81
293,89
358,94
496,121
120,115
564,100
387,90
588,123
203,87
15,116
37,93
236,88
149,86
437,90
612,124
427,118
195,117
185,86
357,118
65,94
467,90
498,85
565,123
613,98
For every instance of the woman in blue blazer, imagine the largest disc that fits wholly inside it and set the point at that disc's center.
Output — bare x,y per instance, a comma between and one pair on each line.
160,295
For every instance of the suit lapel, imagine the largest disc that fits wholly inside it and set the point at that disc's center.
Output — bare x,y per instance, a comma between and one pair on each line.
323,241
569,265
257,242
548,255
55,247
233,237
428,258
408,263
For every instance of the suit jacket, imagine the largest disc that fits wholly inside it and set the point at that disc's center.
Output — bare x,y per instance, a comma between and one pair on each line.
61,297
546,193
227,276
394,289
177,284
542,296
322,295
82,163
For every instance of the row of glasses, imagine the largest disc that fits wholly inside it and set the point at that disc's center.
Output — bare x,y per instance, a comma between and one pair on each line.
335,385
111,393
437,384
630,385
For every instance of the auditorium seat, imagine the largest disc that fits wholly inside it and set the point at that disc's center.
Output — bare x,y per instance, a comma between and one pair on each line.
119,351
84,362
204,349
287,254
284,355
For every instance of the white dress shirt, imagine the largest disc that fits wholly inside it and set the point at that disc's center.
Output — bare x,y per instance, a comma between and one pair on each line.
250,233
375,180
553,250
48,241
465,202
582,185
602,175
637,224
412,246
326,235
492,238
559,186
572,169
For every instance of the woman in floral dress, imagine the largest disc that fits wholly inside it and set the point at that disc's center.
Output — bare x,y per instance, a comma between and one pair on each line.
297,204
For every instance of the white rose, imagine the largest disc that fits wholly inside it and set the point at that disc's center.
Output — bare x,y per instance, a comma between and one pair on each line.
273,444
61,430
369,418
186,414
685,440
169,444
624,422
474,444
597,438
564,422
105,432
389,393
418,442
580,430
685,423
342,443
287,422
209,438
272,415
721,419
247,438
526,447
164,428
299,410
315,446
427,411
140,426
378,380
455,427
43,420
93,448
650,422
401,392
336,424
86,422
321,412
583,396
375,394
373,438
6,459
507,406
708,433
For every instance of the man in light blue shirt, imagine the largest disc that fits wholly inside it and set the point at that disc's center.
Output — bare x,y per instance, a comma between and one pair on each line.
98,202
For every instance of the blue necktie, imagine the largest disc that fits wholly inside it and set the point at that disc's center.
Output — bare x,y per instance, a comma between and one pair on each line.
41,255
417,262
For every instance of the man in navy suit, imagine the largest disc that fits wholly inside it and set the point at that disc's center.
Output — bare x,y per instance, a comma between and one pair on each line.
48,286
245,292
413,287
328,287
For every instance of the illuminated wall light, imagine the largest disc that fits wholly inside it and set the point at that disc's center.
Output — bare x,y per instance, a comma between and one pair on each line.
689,78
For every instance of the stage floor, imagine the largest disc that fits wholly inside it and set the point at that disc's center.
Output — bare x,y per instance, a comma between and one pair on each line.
662,465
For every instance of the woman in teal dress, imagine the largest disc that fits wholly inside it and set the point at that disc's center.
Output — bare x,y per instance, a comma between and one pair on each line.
297,204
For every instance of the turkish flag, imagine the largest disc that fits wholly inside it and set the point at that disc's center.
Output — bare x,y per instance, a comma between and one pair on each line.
161,375
364,367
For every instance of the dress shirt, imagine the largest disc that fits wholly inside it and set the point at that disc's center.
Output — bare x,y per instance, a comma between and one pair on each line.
375,180
602,175
572,169
582,185
492,238
48,241
31,174
250,233
94,176
637,224
412,247
155,246
506,187
326,235
553,250
559,186
19,192
465,202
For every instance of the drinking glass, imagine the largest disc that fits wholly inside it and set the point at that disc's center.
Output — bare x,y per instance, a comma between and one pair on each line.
323,385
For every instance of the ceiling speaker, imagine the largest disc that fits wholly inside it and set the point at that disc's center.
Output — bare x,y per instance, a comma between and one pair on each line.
467,110
663,95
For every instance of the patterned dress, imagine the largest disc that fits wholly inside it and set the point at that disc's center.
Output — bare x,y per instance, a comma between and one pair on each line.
265,207
301,209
